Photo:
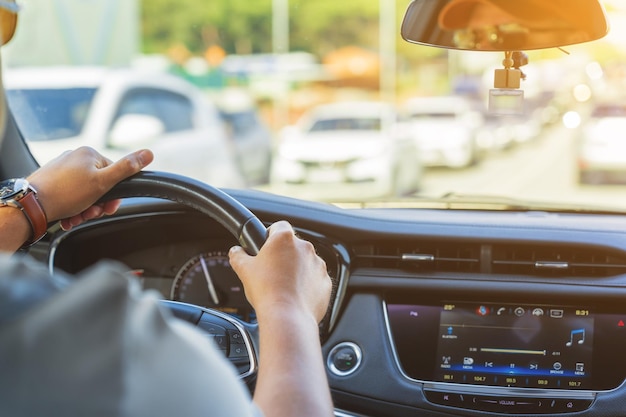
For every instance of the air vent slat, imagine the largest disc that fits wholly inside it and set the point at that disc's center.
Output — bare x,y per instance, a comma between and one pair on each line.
551,265
417,257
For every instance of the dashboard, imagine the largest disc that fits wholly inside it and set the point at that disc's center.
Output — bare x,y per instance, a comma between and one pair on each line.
436,312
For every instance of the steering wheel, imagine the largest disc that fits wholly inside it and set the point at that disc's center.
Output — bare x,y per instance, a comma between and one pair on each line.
238,340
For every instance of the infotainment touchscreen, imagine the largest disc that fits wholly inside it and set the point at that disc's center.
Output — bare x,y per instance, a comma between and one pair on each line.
509,345
515,345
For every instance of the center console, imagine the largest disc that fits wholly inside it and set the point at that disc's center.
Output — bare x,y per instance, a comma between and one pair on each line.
509,358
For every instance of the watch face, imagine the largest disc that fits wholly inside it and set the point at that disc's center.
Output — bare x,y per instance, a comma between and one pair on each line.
13,187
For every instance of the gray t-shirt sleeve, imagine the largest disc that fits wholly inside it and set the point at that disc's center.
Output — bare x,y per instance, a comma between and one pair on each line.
102,347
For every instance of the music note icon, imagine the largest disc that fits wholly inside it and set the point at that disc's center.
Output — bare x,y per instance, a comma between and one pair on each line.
578,336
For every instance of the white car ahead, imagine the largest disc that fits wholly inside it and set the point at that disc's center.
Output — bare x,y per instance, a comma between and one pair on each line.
444,130
119,110
601,155
357,145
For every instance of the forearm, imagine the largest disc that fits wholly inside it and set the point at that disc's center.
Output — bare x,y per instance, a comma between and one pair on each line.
292,380
14,229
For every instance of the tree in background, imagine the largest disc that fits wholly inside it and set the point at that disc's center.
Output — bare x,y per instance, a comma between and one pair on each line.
238,26
244,26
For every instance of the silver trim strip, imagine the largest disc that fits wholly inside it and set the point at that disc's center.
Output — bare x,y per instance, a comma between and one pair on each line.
418,257
393,345
341,413
508,391
551,265
343,273
342,259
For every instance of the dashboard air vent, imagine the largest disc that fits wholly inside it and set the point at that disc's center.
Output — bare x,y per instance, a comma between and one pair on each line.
430,256
557,261
522,258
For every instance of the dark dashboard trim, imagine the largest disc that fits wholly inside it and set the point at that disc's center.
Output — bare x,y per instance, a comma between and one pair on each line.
346,225
59,236
596,229
343,229
507,289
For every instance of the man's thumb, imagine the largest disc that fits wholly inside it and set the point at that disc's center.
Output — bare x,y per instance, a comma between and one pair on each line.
131,164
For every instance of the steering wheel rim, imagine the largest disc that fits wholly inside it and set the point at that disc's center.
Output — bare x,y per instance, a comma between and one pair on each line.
230,213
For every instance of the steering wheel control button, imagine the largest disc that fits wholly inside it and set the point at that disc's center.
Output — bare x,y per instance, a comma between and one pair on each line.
230,342
235,337
228,338
238,351
569,406
344,359
216,333
446,398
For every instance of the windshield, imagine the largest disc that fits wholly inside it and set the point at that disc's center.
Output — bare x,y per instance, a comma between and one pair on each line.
251,79
59,113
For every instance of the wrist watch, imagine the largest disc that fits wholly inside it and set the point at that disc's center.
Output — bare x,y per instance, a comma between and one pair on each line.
20,194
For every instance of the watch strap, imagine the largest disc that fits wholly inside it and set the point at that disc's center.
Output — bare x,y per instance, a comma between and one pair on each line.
29,204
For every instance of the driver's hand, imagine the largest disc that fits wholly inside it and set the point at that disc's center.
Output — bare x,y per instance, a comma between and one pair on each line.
69,185
286,275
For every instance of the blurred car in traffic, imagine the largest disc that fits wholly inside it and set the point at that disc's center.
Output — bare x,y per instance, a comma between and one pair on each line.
119,110
494,134
444,129
602,148
251,137
362,144
501,132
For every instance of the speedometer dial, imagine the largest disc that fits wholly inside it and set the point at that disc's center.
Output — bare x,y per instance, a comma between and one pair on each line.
207,280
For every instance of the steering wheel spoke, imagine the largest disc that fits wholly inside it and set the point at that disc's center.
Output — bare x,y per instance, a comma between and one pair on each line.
236,340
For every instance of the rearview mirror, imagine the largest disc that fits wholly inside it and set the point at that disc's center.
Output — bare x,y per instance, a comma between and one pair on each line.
503,25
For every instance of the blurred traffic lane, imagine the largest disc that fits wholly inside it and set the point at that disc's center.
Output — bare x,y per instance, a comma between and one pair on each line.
551,176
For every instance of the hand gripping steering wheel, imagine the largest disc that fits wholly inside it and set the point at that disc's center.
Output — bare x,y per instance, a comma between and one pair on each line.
236,339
